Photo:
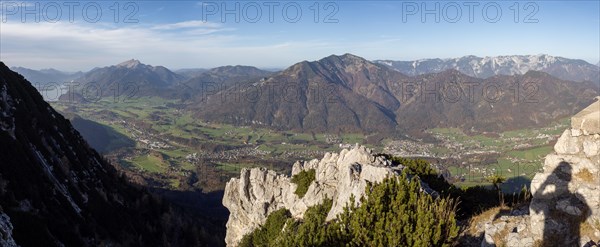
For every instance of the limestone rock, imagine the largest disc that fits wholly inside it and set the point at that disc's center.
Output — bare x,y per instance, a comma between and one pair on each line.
510,230
591,147
588,120
258,191
567,144
565,194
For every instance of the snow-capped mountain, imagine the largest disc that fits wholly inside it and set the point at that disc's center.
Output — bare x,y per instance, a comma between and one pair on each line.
484,67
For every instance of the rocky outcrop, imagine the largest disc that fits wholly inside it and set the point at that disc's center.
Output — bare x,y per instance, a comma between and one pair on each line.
566,195
565,208
258,191
508,230
6,239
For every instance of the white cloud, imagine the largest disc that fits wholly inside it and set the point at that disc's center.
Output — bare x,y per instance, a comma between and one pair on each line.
92,45
187,24
82,46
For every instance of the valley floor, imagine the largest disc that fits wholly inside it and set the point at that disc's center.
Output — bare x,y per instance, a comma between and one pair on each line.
158,143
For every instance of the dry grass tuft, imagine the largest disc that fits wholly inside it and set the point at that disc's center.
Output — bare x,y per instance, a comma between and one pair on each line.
585,175
482,218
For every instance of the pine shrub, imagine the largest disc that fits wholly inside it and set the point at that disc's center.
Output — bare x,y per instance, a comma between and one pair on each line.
303,179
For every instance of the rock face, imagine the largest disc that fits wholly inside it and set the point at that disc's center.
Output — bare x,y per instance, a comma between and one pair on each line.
565,208
6,239
513,228
57,191
258,191
566,196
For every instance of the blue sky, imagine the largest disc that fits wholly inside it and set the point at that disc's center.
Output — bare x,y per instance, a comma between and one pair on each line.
189,34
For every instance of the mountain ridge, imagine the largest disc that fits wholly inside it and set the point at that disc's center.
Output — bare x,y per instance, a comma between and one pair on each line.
485,67
350,93
57,191
315,95
47,75
132,71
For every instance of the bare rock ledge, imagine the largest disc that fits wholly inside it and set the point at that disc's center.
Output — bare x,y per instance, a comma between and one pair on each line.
565,207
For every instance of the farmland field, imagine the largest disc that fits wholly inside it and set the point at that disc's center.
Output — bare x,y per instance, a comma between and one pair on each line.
171,145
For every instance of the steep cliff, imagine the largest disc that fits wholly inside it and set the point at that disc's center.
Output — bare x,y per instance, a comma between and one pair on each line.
259,192
57,191
6,239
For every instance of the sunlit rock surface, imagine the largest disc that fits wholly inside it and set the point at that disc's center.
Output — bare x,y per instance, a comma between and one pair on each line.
258,191
565,208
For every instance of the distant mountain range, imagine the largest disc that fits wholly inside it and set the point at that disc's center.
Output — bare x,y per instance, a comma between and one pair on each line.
494,104
47,75
189,73
227,75
154,80
229,69
349,93
480,67
132,71
133,78
49,82
217,79
484,67
335,93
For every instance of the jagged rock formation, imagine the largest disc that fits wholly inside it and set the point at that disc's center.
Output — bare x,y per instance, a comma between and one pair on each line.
484,67
258,191
6,239
565,209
